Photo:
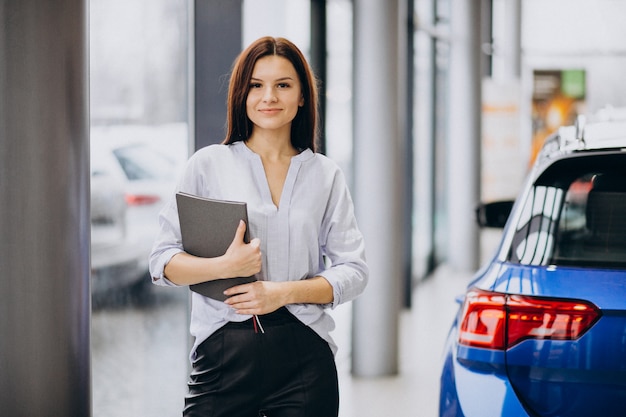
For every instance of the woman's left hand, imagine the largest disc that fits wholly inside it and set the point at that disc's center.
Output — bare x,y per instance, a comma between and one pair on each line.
259,297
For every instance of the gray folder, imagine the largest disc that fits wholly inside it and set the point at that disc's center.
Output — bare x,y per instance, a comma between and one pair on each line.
207,227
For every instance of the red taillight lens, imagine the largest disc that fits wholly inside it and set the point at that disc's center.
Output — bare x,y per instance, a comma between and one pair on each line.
499,321
141,199
542,318
483,321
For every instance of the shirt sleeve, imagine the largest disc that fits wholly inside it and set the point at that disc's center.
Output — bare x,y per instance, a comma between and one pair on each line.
343,245
169,241
167,244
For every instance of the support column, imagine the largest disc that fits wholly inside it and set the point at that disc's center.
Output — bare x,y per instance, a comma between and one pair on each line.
44,202
378,185
508,43
217,40
463,147
318,62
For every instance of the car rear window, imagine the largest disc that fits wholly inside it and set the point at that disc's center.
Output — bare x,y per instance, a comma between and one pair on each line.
575,215
140,162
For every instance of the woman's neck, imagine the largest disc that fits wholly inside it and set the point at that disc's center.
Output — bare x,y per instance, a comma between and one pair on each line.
271,146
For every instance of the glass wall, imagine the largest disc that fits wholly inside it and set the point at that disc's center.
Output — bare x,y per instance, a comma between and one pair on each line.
138,107
139,53
430,134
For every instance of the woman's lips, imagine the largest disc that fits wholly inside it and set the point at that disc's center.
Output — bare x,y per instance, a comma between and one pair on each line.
269,111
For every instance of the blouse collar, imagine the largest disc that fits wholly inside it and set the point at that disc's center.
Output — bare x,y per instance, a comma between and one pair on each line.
241,146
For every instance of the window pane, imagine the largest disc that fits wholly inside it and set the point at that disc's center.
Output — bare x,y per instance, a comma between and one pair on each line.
592,230
534,237
139,141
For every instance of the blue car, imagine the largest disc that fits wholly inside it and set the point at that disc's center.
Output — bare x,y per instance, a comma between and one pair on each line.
541,329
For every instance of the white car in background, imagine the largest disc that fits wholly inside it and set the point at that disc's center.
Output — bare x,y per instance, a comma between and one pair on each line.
131,178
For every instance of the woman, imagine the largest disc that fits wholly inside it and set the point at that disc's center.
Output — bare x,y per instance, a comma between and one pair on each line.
266,350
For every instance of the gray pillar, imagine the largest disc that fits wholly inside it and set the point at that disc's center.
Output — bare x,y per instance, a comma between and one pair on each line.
508,46
216,42
378,185
463,147
44,226
406,97
318,62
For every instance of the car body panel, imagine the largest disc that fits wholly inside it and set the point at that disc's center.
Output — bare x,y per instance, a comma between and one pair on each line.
475,383
589,372
571,378
608,291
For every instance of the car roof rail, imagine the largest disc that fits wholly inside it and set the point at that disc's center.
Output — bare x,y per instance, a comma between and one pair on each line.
610,113
581,120
585,135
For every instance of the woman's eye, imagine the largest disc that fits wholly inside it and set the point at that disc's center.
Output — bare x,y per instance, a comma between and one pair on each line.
283,85
255,85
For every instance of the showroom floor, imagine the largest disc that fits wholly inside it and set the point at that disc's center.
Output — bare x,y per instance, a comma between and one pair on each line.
139,356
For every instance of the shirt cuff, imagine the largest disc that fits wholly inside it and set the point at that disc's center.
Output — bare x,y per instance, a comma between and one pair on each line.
157,272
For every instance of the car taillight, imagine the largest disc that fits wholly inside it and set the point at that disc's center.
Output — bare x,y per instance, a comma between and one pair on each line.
141,199
483,320
498,321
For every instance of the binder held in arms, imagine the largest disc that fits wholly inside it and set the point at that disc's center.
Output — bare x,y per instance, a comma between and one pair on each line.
207,227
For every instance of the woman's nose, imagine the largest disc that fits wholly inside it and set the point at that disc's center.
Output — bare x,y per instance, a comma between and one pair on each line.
269,95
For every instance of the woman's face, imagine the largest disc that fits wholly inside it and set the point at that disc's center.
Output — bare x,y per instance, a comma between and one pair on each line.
274,95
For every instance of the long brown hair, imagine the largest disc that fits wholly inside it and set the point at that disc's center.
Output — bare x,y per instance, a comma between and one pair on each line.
305,124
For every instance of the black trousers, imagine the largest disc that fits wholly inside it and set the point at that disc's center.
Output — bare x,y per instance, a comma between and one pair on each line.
285,371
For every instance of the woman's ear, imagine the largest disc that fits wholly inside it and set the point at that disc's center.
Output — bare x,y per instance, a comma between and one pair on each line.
301,103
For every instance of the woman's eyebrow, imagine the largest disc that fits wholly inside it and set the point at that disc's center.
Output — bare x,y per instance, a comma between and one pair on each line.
276,80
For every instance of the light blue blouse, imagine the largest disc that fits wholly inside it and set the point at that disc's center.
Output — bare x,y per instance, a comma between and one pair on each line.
313,231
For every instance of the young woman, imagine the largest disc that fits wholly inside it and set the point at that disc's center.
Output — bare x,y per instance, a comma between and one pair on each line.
266,350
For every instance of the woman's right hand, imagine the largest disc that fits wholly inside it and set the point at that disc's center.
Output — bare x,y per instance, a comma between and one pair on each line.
240,260
244,259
